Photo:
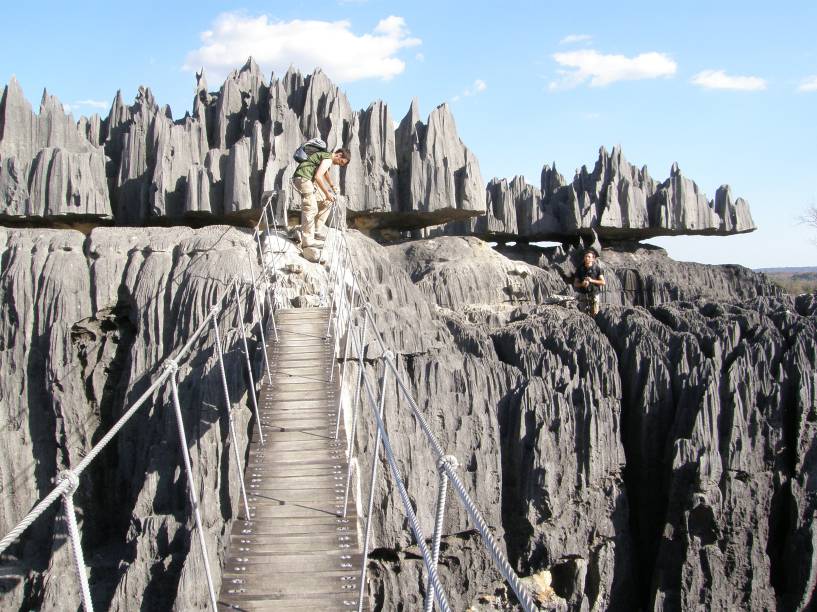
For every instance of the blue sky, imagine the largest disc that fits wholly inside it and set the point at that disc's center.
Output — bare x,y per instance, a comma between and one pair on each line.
727,89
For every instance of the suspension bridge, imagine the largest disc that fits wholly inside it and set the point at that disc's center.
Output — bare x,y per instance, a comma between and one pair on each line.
295,544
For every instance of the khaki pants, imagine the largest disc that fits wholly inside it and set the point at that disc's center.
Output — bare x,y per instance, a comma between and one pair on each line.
589,303
314,208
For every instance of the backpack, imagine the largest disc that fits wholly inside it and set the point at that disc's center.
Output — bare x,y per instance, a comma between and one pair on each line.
313,145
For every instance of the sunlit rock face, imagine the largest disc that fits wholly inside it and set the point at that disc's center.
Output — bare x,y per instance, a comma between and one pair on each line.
615,200
655,458
139,166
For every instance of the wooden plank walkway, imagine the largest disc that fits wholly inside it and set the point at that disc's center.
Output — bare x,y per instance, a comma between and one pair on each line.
296,552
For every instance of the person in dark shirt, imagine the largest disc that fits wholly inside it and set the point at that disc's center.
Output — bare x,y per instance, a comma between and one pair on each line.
588,282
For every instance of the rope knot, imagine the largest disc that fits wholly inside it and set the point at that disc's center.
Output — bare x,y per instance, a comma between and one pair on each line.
73,481
447,460
215,309
171,365
388,356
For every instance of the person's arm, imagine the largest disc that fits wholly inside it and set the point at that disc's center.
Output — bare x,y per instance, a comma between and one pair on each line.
597,281
579,282
322,179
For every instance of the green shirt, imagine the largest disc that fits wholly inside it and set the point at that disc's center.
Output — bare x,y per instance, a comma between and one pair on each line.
306,170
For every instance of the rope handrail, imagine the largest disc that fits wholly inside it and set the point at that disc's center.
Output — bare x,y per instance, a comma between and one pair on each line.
446,466
343,309
63,485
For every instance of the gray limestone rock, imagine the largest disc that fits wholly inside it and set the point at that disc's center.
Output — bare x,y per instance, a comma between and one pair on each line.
438,176
643,275
152,164
616,200
399,180
641,455
86,319
49,166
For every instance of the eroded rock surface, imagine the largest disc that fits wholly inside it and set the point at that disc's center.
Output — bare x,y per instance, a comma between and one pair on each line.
140,166
84,324
48,167
616,200
655,458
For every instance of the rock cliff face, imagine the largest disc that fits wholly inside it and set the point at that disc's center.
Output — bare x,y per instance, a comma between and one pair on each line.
656,458
84,323
643,275
139,166
616,200
48,168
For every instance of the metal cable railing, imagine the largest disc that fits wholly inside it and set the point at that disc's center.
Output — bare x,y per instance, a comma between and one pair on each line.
263,307
350,316
345,291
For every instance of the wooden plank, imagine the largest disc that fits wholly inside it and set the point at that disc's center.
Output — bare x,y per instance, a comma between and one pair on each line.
296,552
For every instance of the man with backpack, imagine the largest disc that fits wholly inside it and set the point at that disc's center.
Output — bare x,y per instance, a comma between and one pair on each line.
312,180
588,282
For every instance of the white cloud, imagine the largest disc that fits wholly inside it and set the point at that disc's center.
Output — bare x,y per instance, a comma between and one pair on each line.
603,70
575,38
477,88
330,45
808,84
718,79
92,103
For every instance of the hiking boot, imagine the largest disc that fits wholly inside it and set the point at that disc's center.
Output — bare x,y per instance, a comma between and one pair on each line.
311,244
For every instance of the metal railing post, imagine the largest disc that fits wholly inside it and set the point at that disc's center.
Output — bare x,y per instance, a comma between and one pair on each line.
335,281
229,404
345,357
259,311
372,480
442,491
330,268
76,542
173,367
249,365
269,303
355,412
343,303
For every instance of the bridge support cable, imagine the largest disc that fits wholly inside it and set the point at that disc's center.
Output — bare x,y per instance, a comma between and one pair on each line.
348,277
173,367
442,491
229,408
76,542
69,480
368,530
247,362
258,308
414,523
270,284
355,411
341,410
